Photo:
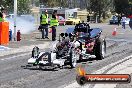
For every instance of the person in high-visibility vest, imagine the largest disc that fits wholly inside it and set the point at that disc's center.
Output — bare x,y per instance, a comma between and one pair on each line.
1,17
44,24
54,23
3,13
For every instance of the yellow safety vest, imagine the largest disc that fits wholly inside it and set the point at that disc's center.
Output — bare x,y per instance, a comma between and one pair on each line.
44,19
54,22
1,19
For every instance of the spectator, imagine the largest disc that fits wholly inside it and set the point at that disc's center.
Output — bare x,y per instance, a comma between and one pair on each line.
123,21
119,20
1,17
130,22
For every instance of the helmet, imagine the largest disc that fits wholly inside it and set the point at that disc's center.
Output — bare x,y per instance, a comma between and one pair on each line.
82,27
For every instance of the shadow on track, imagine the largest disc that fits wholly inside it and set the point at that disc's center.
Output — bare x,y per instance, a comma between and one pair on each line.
29,67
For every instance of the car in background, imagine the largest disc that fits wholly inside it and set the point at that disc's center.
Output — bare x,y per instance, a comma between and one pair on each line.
113,20
72,21
61,20
10,16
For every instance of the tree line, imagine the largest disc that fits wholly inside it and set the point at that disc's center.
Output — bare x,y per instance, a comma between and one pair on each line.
98,7
23,6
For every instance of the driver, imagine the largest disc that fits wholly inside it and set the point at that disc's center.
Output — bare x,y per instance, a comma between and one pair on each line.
81,27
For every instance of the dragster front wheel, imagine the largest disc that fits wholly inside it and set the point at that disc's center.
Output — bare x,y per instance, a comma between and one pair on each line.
73,58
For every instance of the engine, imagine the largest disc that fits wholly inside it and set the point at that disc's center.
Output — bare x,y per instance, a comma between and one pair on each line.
62,47
76,44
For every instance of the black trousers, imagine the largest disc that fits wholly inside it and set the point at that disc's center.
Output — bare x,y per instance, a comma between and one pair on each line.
130,24
53,33
44,31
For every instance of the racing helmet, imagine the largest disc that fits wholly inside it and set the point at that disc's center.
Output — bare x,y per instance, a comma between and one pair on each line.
82,27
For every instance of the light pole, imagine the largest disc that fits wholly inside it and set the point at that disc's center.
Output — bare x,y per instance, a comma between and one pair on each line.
15,15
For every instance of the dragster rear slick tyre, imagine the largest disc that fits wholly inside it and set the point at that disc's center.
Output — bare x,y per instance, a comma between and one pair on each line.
100,49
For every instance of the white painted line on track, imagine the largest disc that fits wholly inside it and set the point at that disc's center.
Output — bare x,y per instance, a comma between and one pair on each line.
13,57
121,67
23,49
121,33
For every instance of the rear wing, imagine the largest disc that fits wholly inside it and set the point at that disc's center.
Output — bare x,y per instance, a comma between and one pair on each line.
95,32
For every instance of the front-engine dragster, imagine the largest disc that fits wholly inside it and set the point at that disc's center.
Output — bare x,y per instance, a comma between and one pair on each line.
77,44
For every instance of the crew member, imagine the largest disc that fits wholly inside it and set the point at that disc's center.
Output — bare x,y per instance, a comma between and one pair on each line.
1,17
44,24
88,18
54,23
4,13
119,20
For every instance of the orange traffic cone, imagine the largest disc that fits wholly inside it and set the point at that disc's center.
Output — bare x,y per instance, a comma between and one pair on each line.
114,32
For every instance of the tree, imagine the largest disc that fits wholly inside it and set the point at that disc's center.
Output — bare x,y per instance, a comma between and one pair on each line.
100,7
121,6
23,6
55,3
8,5
44,2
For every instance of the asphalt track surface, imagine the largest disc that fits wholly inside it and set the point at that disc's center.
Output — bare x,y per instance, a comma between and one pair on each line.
13,73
